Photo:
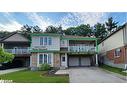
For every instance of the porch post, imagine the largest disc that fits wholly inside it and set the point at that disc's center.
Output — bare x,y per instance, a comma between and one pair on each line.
96,53
96,59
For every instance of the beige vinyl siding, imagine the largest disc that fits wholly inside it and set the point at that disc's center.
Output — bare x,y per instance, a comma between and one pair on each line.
114,41
54,46
125,35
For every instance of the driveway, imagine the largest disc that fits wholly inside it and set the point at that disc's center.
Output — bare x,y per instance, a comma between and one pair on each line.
11,70
94,75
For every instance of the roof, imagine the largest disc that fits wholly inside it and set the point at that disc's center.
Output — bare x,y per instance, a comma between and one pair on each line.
45,34
70,37
8,36
67,37
11,34
114,32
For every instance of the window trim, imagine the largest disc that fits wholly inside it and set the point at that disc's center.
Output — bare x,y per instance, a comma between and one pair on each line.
46,41
47,58
116,52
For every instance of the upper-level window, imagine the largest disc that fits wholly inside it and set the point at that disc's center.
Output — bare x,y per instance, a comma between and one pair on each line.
41,40
49,41
45,41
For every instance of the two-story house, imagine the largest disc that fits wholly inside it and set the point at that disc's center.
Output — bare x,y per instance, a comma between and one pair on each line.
18,45
62,51
113,49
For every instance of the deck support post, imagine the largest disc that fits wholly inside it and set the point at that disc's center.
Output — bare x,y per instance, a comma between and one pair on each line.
96,59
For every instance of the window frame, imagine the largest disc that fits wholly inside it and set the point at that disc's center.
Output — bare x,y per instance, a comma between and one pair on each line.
45,58
117,53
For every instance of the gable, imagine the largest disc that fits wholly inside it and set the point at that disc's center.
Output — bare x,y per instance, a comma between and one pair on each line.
16,38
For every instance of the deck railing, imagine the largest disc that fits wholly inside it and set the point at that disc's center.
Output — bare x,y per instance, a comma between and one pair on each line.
81,48
18,51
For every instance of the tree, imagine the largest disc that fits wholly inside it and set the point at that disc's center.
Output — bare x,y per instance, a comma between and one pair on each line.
110,24
100,31
26,30
53,29
5,56
81,30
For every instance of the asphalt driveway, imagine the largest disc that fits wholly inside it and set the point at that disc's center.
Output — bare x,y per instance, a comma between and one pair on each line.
94,75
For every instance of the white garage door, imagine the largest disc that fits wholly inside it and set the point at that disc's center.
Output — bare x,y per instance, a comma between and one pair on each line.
79,61
73,61
85,61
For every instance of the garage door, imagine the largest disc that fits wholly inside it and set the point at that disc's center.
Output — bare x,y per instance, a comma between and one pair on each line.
75,61
85,61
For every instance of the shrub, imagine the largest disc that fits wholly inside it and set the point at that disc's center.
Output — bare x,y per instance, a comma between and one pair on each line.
45,67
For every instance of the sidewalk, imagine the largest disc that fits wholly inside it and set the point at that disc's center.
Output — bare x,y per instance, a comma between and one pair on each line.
11,70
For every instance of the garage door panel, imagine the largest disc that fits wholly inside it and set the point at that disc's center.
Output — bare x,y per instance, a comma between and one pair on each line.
73,61
85,61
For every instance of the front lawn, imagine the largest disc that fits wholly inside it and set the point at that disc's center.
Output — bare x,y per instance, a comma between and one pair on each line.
27,76
113,69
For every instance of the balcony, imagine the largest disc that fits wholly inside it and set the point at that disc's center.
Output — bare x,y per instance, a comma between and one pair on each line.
18,51
81,48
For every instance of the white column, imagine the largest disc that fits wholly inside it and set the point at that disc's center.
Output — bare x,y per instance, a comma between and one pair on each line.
66,59
96,60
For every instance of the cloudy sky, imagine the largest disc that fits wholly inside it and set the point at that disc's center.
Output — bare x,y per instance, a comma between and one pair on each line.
14,20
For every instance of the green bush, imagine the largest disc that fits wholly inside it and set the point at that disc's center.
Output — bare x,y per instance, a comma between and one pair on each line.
45,67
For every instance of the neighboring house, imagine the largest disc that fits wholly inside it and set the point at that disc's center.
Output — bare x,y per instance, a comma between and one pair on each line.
113,49
62,51
18,45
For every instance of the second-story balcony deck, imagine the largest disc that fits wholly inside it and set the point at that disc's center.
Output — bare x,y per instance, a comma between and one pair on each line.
81,48
18,51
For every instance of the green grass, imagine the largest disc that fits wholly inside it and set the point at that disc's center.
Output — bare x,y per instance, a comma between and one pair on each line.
27,76
113,69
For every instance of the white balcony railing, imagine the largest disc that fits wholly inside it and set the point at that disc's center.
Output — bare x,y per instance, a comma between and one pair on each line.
82,48
18,51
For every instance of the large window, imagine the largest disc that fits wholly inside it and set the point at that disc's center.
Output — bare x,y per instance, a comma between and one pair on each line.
45,58
45,41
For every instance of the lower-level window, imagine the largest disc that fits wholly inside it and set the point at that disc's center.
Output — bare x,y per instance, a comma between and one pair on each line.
45,58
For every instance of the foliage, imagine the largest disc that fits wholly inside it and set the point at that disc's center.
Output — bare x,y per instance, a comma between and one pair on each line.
26,30
81,30
111,24
100,31
53,29
5,56
4,33
45,67
113,69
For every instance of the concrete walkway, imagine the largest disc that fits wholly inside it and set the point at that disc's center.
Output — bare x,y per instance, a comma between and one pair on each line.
11,70
94,75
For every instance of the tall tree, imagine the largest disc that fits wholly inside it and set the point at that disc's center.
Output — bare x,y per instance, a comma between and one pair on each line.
53,29
100,31
81,30
111,24
26,30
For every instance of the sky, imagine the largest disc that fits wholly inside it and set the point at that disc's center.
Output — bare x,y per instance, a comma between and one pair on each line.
11,21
